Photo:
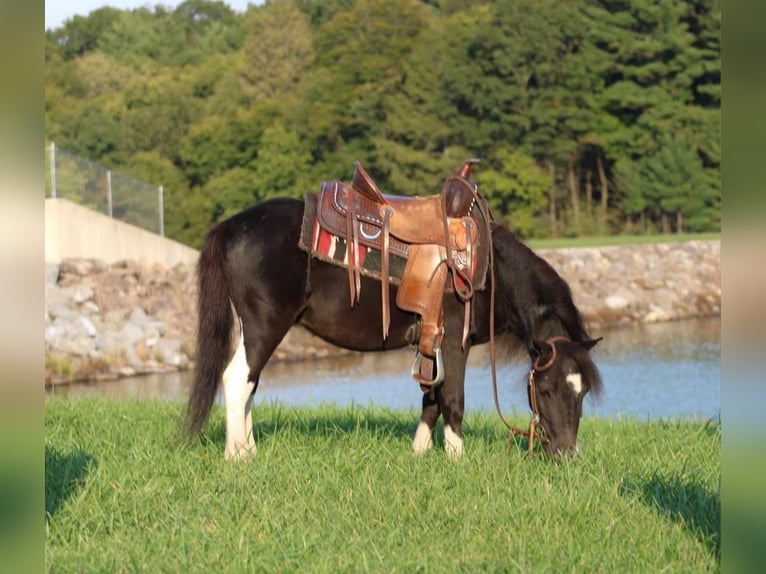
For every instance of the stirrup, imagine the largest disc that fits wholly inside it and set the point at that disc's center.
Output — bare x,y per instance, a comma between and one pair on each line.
439,369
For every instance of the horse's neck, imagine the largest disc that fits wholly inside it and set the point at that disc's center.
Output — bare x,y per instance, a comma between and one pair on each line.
537,300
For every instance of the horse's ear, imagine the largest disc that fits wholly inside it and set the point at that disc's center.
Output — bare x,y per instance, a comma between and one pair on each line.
589,344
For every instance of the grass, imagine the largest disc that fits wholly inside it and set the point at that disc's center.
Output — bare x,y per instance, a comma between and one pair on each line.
618,240
338,490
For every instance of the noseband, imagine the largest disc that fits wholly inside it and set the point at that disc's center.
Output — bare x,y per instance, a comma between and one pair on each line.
536,430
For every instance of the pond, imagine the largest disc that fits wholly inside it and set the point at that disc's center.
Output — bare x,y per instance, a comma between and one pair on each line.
653,371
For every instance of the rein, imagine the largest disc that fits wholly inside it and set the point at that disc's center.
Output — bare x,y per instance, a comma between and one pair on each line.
534,423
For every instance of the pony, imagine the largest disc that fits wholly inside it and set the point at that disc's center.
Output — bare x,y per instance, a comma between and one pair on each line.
254,284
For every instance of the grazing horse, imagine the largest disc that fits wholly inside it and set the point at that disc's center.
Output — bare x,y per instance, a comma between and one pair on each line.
255,283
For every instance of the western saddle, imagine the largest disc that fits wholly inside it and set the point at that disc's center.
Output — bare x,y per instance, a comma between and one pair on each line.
439,236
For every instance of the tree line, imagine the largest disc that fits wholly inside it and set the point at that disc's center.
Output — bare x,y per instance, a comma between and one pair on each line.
590,117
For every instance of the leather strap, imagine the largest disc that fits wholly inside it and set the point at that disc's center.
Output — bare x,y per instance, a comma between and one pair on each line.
352,245
384,289
349,242
355,227
534,421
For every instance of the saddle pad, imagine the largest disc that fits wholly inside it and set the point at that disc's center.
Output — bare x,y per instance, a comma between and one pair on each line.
331,248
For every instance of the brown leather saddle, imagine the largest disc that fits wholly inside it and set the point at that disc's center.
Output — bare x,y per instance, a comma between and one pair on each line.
440,237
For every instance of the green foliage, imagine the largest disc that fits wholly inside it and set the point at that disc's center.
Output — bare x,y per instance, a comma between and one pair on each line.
81,35
283,164
525,189
586,88
230,192
673,182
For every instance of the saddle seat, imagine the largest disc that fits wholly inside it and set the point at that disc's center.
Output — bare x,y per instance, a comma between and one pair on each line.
413,219
435,234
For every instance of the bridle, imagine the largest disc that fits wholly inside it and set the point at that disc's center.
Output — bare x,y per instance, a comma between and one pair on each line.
536,430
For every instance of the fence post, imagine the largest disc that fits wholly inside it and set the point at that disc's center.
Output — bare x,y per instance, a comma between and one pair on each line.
109,191
162,211
53,169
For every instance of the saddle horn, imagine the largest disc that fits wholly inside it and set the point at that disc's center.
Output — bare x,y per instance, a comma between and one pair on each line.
465,171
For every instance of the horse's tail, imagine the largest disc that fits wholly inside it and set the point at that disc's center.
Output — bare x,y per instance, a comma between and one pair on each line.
214,324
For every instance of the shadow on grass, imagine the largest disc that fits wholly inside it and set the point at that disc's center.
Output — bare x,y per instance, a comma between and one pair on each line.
376,423
687,502
64,475
337,423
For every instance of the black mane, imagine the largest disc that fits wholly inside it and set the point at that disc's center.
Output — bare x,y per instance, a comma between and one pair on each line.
538,301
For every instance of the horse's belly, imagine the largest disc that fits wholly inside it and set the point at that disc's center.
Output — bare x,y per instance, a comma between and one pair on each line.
330,314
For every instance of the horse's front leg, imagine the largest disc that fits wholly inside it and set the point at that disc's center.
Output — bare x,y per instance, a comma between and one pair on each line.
238,397
451,394
423,440
448,400
452,404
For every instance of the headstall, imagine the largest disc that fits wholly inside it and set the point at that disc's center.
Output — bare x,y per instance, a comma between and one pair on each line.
535,430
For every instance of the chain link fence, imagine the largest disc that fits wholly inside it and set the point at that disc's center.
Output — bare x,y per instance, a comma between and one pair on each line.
121,197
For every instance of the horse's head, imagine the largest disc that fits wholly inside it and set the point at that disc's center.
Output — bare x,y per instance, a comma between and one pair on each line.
562,374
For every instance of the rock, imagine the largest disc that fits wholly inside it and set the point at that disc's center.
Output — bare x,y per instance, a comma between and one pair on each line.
616,302
82,294
656,314
81,267
131,334
87,326
138,316
90,307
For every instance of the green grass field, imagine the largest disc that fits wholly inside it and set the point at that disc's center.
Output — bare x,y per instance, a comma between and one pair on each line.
338,490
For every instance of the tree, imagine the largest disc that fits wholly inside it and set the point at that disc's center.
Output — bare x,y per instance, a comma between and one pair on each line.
676,187
82,34
588,89
230,192
516,189
157,114
363,51
277,50
282,166
652,62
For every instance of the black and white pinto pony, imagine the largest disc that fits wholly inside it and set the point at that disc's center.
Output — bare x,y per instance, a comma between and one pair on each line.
254,283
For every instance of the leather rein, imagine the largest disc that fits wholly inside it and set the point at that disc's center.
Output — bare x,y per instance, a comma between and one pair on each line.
534,423
535,430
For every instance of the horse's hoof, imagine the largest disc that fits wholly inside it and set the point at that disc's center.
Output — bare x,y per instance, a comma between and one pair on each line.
240,454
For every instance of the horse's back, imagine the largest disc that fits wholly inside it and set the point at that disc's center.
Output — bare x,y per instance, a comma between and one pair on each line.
263,260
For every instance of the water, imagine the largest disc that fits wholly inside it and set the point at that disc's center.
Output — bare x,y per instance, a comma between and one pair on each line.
653,371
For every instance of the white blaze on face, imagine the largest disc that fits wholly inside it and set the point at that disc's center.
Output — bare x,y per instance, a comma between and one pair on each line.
575,381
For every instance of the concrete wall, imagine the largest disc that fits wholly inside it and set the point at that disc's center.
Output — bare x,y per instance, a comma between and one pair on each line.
75,231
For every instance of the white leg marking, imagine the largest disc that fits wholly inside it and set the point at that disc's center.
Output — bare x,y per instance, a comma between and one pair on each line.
453,444
236,395
249,425
575,380
422,441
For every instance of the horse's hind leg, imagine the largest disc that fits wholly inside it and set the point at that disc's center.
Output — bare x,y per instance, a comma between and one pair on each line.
238,395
